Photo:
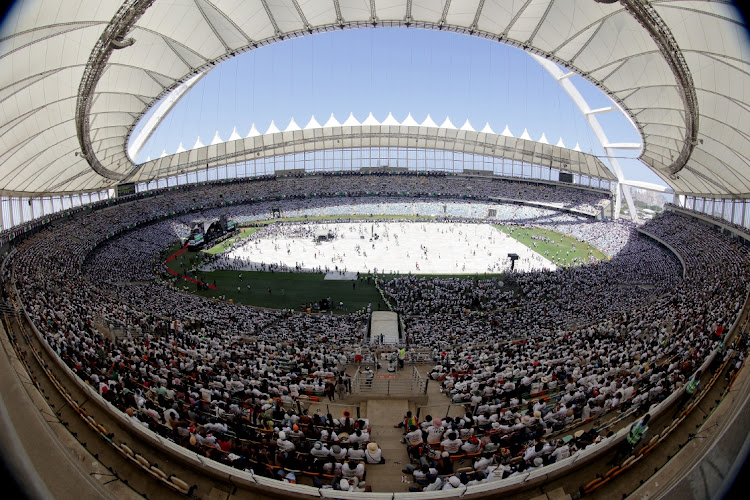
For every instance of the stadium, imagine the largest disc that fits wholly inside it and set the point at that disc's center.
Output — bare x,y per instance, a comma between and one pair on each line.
375,309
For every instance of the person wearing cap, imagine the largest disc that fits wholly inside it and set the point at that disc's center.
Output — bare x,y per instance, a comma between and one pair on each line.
319,450
538,463
452,483
296,433
373,453
283,443
337,452
435,432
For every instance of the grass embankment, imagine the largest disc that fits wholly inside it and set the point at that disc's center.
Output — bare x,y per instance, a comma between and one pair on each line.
563,249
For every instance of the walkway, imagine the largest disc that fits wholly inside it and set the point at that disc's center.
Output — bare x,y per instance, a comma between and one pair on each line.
384,328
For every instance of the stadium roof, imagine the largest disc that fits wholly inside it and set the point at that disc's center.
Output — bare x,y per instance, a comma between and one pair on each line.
78,75
371,133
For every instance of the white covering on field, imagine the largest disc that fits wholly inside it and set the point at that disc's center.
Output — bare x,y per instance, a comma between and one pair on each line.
400,247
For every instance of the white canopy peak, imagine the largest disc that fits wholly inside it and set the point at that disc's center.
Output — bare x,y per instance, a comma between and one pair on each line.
351,121
332,122
234,135
272,129
428,122
390,120
292,126
409,121
253,131
313,123
467,126
370,120
448,124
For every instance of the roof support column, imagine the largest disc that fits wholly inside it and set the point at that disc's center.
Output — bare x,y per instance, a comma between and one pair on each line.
590,115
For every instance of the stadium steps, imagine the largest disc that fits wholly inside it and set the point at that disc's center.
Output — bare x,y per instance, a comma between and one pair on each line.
383,414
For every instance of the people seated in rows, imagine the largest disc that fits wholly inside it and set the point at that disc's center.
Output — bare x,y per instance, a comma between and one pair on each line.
572,336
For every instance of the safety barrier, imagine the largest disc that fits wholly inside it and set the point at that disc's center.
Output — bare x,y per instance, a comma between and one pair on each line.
416,385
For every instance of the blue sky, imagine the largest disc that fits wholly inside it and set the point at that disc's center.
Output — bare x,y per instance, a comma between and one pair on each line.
389,70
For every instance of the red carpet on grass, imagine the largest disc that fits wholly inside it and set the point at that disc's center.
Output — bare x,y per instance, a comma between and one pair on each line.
187,278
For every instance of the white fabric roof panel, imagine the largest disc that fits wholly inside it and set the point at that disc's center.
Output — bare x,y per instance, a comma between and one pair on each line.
45,46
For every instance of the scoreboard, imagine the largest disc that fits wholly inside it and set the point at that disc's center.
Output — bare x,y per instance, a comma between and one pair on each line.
125,189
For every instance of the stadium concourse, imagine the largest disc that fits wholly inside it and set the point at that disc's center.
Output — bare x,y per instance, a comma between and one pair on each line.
524,388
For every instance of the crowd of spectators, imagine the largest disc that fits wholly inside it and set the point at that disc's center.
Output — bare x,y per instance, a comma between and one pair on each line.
222,379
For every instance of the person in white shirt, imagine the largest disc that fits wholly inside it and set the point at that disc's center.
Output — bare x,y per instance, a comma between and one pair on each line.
319,451
373,454
414,436
560,453
283,443
452,444
453,482
435,432
422,475
472,445
355,452
358,437
435,485
352,469
337,452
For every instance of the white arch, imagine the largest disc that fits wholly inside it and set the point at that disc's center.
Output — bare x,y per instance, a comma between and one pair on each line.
562,78
161,112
